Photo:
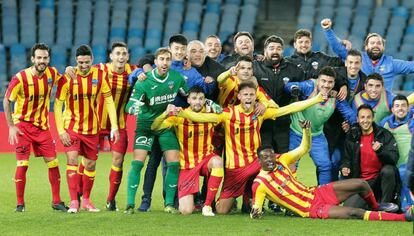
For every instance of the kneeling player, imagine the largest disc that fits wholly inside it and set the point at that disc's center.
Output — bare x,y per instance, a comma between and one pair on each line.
196,153
276,183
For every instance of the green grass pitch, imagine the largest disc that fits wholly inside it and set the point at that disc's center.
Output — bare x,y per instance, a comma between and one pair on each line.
40,219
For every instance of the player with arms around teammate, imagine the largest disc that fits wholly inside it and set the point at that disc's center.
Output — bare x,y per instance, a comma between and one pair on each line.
79,127
148,100
30,91
196,153
277,183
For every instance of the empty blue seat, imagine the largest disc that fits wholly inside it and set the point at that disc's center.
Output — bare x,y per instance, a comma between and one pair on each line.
17,58
99,53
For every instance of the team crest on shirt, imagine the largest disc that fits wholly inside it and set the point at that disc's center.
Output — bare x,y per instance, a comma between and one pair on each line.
315,65
171,85
94,82
382,68
49,81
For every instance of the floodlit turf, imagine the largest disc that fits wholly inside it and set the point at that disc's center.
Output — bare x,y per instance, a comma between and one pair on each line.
40,219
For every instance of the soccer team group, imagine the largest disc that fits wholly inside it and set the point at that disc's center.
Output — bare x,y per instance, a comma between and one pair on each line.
241,121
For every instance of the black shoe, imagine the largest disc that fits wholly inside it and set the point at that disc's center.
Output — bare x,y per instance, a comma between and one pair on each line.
274,207
246,208
20,208
388,207
60,207
290,213
129,209
234,206
111,206
145,205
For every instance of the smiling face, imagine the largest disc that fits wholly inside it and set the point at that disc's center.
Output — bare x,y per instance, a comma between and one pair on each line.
375,47
365,119
163,63
325,83
119,57
273,52
196,101
196,54
178,51
303,45
247,98
213,47
84,63
40,60
267,159
373,89
245,70
243,46
400,109
353,65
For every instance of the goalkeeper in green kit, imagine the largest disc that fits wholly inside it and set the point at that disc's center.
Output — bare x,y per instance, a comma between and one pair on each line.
148,100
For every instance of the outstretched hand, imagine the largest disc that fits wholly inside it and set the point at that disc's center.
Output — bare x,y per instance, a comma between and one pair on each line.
305,124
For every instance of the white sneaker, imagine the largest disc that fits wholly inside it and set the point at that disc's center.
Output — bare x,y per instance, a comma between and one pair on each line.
74,206
207,211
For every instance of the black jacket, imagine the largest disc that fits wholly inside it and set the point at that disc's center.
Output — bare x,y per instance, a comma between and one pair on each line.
387,154
312,62
271,80
333,128
213,69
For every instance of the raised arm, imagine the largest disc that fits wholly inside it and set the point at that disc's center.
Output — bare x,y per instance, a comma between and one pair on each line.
333,40
200,117
305,146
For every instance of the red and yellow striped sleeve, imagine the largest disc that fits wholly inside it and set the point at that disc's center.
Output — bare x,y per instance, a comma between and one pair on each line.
228,92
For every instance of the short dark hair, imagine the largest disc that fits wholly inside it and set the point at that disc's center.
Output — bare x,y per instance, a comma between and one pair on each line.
302,33
162,51
84,50
354,52
195,89
213,36
400,97
328,71
39,46
245,58
243,33
178,38
366,107
375,76
117,44
263,147
274,39
247,84
370,35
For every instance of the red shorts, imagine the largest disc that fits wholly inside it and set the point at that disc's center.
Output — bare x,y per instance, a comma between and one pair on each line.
41,141
188,180
85,144
325,198
120,146
235,180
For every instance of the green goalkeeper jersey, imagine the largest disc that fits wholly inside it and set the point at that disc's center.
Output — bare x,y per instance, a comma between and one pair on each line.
150,97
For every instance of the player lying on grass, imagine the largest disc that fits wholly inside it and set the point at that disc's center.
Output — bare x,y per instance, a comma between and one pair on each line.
276,183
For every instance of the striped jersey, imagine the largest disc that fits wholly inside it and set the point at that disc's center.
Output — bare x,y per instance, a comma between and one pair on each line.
195,140
81,96
31,95
120,90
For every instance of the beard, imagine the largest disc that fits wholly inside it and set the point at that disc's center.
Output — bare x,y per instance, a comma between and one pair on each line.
374,56
39,69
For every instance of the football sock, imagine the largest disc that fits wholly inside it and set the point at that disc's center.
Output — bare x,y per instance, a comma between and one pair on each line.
80,178
115,177
213,185
20,180
54,179
370,199
72,179
88,179
134,176
384,216
171,180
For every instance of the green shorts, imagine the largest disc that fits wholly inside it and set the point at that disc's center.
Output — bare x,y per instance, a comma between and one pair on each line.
144,138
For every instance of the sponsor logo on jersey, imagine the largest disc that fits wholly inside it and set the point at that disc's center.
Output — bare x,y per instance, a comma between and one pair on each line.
142,140
171,84
315,65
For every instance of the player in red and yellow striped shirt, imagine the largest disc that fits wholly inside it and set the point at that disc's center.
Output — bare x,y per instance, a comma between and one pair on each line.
117,72
79,126
197,157
30,90
277,183
242,132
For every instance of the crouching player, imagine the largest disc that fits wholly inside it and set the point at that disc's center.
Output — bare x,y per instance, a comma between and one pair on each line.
276,183
196,153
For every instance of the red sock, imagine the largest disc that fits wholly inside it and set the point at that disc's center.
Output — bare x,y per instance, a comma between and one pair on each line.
72,179
80,178
54,179
212,188
370,199
20,180
88,179
383,216
115,177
